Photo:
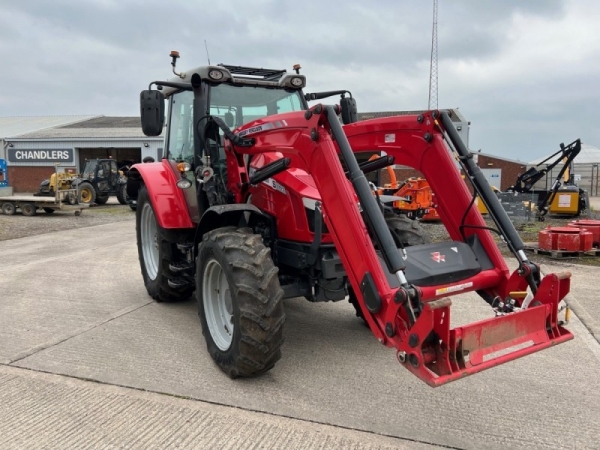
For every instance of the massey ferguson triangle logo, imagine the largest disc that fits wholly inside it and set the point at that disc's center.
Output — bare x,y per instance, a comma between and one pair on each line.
438,257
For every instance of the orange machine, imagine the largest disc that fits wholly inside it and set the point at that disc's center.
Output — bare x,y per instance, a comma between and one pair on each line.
418,198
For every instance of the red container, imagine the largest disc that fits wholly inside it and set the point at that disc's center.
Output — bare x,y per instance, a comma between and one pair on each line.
589,225
569,239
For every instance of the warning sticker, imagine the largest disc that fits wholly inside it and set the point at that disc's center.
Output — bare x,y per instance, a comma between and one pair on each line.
455,288
564,201
389,138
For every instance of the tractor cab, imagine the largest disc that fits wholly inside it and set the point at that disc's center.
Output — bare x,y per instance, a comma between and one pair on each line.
203,97
103,173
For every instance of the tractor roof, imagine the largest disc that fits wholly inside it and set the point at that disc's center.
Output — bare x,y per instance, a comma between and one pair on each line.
222,73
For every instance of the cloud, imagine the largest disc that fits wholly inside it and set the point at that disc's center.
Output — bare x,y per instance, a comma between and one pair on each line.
523,73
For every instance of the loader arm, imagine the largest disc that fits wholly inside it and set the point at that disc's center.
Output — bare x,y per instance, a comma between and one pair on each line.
413,319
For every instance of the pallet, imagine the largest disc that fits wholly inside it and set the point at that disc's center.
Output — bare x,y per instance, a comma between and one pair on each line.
560,254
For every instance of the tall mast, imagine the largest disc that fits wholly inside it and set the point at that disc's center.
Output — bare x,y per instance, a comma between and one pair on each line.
433,68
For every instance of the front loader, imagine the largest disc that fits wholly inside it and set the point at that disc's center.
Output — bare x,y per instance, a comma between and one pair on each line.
260,197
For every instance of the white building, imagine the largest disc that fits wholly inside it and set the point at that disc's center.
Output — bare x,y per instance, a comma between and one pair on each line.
33,146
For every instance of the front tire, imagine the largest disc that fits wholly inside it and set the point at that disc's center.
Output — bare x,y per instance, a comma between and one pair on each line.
87,193
157,252
239,301
406,232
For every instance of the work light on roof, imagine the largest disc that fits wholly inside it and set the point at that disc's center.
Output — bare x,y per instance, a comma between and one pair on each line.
215,75
297,81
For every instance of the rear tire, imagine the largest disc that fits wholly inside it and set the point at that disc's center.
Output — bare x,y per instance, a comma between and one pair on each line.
122,194
8,209
28,209
101,200
87,193
239,301
156,252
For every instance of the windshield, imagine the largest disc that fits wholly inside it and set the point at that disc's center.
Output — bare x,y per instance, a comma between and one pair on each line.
89,169
237,105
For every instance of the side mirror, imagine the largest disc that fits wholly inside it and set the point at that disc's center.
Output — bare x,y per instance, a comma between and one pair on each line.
152,109
349,112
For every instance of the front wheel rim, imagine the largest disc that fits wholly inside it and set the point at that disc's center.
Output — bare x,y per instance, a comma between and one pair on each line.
148,232
86,195
218,305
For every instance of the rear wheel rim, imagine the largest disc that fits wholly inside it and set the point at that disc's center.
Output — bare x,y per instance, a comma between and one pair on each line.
218,305
149,238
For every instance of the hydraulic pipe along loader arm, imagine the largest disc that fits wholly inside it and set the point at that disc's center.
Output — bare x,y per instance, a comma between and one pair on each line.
411,318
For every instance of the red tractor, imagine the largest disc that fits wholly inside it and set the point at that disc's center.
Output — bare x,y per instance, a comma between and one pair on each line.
260,197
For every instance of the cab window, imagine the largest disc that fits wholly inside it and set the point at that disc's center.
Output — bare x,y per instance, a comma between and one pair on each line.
180,145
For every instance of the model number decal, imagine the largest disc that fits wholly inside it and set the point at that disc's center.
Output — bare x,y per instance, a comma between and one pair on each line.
455,288
275,185
263,127
256,129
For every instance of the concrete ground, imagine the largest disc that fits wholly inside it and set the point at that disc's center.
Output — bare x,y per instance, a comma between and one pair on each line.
88,360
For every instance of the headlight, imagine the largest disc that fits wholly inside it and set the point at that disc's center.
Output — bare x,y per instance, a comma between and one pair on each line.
184,183
215,75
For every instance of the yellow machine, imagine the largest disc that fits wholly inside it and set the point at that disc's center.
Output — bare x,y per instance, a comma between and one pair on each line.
64,182
563,197
566,201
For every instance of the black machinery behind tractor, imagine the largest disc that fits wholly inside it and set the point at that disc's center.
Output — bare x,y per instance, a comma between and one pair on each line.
99,180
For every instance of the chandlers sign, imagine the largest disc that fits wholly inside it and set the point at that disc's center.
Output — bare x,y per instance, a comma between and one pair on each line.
62,155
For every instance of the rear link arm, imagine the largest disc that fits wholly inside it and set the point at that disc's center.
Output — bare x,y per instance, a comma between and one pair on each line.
376,164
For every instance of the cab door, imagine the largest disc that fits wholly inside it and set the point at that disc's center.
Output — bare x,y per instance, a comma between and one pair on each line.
103,177
180,144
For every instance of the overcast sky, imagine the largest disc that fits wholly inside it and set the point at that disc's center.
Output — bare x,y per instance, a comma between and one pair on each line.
524,72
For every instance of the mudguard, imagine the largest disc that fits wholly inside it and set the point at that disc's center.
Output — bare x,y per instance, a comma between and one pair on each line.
231,215
169,204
